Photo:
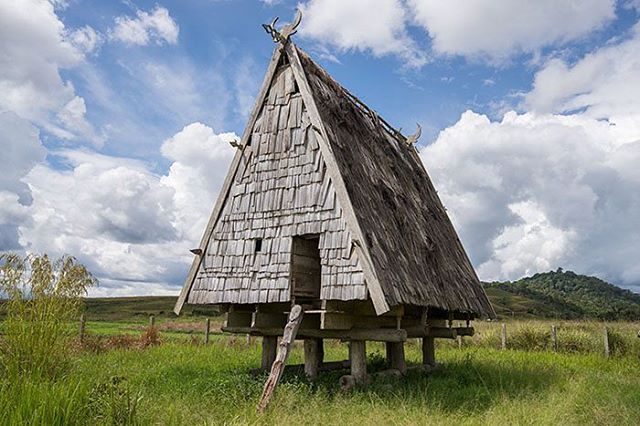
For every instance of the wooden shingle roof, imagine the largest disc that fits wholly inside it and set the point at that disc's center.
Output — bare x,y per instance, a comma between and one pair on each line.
415,251
410,252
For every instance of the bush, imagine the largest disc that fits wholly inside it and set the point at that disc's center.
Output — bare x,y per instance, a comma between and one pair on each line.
579,340
43,297
529,338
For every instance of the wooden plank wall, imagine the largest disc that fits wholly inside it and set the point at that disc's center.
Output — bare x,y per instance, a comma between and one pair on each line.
280,190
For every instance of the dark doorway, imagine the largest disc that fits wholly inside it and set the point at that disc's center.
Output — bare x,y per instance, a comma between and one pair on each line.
305,268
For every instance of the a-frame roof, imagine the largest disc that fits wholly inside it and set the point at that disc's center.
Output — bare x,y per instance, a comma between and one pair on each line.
411,253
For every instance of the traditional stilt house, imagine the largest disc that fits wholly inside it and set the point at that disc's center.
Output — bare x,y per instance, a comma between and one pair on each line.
328,207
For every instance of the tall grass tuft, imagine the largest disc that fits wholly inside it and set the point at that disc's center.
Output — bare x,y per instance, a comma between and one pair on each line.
43,297
43,402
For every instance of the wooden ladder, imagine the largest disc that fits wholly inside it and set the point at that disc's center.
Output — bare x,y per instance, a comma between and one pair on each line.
284,348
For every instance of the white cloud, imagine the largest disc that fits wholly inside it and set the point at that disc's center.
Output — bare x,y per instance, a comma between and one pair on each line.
21,151
535,192
131,227
85,39
480,29
156,25
498,29
34,47
200,161
606,82
558,186
356,25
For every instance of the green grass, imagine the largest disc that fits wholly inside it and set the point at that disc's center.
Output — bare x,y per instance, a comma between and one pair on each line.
183,382
178,383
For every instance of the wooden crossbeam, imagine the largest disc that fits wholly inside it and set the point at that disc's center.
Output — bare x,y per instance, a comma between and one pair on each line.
376,335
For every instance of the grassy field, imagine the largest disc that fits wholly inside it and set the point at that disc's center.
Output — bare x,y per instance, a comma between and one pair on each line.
182,383
125,374
119,378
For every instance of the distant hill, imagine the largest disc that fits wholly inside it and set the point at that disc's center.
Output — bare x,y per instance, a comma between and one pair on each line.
563,294
559,294
138,307
135,308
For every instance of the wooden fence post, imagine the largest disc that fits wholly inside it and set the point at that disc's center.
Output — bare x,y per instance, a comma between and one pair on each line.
459,342
504,336
554,338
606,343
207,325
152,321
83,321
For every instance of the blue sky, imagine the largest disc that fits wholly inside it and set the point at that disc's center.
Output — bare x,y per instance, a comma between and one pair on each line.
115,118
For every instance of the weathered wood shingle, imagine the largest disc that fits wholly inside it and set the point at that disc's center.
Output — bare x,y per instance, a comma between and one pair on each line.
281,190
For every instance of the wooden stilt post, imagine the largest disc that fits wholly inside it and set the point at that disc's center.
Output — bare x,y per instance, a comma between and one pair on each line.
320,352
288,337
428,351
395,356
269,349
83,321
554,338
312,360
207,326
358,358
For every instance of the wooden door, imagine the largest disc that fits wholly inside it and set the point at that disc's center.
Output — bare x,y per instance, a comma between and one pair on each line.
305,267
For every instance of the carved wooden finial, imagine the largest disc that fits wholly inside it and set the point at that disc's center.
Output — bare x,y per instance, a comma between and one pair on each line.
412,139
283,35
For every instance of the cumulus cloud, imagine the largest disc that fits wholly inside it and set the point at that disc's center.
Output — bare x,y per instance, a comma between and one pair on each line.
133,228
156,25
480,29
21,151
356,25
200,162
34,47
556,184
498,29
485,29
535,192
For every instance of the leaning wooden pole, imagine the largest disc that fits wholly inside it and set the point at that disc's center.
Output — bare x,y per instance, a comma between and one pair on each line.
289,336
